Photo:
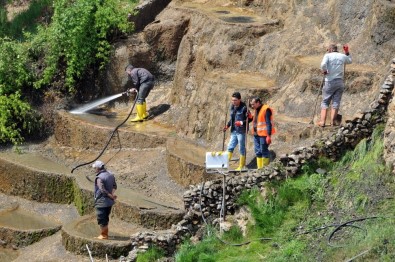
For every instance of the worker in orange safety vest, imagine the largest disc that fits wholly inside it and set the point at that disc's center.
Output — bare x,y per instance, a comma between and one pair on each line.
262,130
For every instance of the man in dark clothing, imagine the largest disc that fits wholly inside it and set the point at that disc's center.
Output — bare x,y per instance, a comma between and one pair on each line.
237,124
105,197
262,130
143,82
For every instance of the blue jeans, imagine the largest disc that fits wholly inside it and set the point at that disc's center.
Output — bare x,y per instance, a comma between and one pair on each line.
261,147
237,138
145,89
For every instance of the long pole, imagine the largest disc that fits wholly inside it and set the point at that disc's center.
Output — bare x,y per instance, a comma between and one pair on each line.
247,124
316,100
223,140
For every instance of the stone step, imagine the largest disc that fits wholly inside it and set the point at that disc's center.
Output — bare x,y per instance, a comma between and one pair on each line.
20,228
92,131
83,231
227,12
37,178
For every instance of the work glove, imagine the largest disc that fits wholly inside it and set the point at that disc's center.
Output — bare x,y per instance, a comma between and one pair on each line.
225,128
268,140
219,153
346,49
238,123
249,115
132,90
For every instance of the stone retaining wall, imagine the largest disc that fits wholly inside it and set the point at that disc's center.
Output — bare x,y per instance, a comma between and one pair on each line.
206,199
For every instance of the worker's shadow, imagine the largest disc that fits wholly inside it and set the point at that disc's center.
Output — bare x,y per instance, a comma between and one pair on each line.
157,110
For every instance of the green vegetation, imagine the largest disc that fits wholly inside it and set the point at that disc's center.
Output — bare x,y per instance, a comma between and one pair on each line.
49,47
152,254
17,119
300,214
25,21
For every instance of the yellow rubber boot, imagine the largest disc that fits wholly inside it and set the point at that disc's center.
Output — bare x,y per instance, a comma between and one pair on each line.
145,115
139,116
230,154
242,163
259,162
265,161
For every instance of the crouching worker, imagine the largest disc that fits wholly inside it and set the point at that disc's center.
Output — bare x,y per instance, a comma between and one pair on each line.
105,197
237,124
262,130
143,82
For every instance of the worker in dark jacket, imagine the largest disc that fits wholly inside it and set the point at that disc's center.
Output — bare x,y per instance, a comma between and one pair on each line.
105,197
237,125
143,82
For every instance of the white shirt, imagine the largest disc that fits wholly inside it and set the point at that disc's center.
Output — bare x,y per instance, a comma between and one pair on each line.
334,63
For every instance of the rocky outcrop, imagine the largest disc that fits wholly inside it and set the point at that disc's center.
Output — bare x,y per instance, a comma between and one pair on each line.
212,39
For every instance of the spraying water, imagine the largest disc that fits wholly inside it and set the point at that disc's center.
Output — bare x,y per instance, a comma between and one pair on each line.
94,104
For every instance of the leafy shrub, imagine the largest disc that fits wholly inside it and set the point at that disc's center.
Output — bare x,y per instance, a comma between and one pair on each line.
17,119
79,35
13,71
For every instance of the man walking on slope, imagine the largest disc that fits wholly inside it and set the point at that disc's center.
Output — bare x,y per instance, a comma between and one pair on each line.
332,66
262,130
143,82
237,123
105,197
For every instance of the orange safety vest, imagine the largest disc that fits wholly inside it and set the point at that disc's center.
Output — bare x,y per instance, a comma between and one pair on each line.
261,127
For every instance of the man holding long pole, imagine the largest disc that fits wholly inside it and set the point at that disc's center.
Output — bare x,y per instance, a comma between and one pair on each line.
332,66
237,124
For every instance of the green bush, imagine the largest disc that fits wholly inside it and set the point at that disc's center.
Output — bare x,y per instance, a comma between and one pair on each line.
17,119
13,66
79,36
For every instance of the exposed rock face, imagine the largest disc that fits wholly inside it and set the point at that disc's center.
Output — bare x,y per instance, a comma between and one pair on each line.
266,48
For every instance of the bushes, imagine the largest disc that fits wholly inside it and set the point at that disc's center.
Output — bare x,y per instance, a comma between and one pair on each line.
13,72
79,36
52,55
17,119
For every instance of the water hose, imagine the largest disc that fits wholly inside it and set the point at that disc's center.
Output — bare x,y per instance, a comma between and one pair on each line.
111,136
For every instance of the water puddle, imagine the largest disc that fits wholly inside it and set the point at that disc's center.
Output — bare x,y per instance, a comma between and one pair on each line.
118,231
23,220
238,19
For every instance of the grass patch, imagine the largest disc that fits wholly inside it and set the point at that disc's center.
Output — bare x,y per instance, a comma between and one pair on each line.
153,254
300,214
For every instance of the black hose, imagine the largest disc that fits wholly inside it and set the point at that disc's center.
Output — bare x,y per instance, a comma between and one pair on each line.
347,224
109,140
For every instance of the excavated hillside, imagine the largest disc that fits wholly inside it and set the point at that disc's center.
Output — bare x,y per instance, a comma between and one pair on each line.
202,51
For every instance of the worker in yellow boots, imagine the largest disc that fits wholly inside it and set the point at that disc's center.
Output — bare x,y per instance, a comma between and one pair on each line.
143,82
237,124
262,130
